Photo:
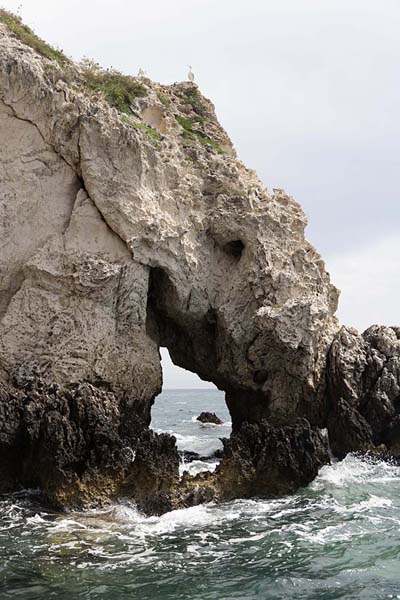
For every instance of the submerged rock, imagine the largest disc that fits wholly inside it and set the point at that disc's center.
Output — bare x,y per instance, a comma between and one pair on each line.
208,417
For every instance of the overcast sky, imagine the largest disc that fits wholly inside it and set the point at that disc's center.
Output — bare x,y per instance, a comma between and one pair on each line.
309,91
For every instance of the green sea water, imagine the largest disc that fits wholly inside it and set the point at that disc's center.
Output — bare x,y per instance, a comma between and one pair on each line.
338,538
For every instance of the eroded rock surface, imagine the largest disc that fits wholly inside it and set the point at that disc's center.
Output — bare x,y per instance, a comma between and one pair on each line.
80,444
140,244
121,233
261,459
364,389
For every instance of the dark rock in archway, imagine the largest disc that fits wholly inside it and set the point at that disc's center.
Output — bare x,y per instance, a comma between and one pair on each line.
208,417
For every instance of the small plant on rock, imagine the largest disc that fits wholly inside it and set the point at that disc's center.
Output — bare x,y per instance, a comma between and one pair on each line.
119,90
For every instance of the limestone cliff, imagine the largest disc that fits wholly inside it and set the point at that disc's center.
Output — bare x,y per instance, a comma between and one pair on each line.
126,230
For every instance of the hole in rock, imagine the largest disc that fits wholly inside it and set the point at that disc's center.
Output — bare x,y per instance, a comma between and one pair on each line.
184,397
234,248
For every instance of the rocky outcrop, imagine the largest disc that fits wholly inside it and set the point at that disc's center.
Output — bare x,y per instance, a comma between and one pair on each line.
80,444
133,242
126,230
364,390
262,460
259,460
208,417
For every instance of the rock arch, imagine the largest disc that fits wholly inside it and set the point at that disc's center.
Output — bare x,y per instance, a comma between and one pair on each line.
162,240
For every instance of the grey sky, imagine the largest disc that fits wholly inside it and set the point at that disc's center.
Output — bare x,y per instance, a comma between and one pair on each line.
309,91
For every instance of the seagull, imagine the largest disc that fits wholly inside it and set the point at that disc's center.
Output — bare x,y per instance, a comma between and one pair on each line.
191,74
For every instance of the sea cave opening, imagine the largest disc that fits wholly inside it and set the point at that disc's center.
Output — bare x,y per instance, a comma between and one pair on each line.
188,339
185,398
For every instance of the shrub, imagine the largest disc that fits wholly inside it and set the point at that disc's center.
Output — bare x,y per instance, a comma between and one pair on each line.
119,90
164,99
185,122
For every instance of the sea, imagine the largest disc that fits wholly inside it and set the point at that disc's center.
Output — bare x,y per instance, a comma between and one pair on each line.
337,538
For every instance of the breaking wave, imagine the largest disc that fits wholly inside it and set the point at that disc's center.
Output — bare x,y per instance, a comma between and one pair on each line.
338,538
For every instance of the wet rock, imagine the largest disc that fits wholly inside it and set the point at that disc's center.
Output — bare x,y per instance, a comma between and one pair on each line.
195,490
209,417
188,456
267,461
154,472
73,444
348,430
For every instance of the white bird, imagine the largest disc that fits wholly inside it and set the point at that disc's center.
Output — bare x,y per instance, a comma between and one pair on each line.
191,74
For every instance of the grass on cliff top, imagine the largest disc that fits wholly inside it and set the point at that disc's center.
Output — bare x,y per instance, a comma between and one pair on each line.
26,35
119,90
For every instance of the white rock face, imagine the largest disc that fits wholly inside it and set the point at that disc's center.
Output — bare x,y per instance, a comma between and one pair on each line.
114,242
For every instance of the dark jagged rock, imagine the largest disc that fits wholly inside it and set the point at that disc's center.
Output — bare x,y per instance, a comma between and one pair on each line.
73,444
188,456
154,472
262,460
363,372
209,417
349,431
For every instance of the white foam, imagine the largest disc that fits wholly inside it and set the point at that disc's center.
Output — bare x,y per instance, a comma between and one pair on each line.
354,469
35,519
197,466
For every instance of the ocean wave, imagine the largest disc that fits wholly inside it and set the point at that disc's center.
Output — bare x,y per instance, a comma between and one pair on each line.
198,466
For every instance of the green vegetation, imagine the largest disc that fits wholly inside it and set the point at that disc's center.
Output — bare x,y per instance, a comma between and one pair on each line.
119,90
28,37
164,99
185,122
152,133
193,97
189,133
206,141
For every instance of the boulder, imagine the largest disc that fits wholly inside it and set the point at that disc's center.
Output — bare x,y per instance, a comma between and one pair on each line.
209,417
